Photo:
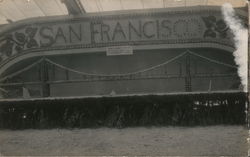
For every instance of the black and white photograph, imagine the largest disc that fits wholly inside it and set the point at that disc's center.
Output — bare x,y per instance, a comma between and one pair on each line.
124,78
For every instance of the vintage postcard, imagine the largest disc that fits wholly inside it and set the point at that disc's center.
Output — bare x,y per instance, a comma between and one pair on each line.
124,78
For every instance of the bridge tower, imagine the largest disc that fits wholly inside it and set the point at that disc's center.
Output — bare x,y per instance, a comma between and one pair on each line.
188,83
44,77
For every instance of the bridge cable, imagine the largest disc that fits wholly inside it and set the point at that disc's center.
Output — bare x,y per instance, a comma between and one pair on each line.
211,60
131,73
22,70
125,74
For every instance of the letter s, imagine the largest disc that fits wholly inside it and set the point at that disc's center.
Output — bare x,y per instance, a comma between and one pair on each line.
47,36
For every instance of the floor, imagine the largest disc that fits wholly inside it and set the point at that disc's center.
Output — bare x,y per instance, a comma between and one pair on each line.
171,141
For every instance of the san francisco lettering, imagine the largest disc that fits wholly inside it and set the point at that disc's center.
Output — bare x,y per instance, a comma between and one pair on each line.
51,35
115,31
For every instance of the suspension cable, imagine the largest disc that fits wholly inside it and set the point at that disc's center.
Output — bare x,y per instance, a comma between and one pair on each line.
22,70
124,74
211,60
131,73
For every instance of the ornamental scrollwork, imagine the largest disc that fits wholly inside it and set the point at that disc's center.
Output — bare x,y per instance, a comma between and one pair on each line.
215,28
16,42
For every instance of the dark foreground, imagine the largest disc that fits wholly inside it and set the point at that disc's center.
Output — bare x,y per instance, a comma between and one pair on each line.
176,141
129,111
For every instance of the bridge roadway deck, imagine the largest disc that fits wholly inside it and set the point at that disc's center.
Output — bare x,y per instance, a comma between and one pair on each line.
126,95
